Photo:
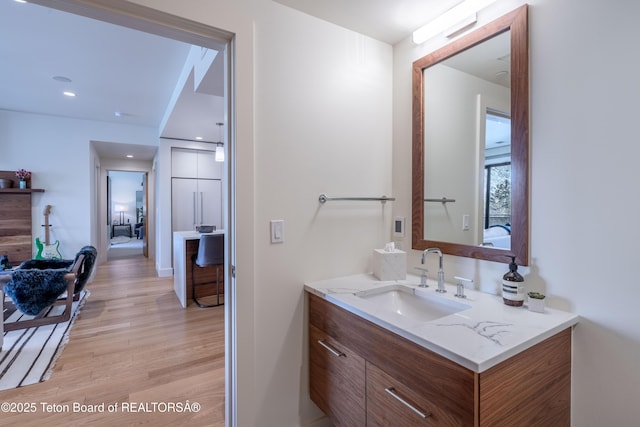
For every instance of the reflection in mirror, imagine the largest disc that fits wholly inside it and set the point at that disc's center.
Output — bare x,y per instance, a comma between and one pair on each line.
470,159
461,90
496,191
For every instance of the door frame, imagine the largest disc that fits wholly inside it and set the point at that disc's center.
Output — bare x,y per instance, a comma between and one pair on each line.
142,18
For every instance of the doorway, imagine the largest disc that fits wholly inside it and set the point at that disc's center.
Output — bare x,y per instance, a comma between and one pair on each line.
126,214
138,17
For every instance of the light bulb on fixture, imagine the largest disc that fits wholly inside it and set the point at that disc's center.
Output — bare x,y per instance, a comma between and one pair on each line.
219,145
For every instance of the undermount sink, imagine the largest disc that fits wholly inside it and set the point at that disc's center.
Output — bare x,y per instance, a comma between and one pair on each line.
406,302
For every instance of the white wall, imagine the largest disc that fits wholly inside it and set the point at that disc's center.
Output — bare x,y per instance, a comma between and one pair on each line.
322,107
57,152
323,125
584,184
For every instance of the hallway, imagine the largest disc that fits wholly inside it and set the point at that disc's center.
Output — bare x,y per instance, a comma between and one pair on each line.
122,247
133,343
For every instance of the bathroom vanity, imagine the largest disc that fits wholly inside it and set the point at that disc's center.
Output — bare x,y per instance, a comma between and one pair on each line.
376,362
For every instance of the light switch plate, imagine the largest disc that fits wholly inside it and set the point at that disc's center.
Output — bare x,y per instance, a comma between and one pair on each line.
465,222
277,230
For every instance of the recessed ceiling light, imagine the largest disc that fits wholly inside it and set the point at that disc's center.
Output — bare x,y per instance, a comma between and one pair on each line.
129,156
62,79
67,93
199,138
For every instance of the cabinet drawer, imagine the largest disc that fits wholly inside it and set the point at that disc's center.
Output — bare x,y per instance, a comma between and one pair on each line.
425,372
391,403
337,379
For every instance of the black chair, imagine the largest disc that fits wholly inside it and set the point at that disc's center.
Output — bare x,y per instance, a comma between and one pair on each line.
210,254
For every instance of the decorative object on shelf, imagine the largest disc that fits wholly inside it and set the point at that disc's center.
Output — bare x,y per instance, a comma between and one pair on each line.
6,183
536,301
23,175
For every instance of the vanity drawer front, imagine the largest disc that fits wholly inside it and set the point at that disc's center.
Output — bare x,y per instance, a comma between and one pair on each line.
391,403
337,379
427,373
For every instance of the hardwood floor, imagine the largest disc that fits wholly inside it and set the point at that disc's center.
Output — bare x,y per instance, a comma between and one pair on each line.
132,343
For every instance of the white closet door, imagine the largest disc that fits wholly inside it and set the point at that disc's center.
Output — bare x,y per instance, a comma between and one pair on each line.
207,166
184,200
184,163
210,202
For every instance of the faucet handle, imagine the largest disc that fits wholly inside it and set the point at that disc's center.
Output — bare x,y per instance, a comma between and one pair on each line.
460,286
423,277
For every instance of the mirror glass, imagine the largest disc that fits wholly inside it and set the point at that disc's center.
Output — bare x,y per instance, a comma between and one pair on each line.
470,144
139,207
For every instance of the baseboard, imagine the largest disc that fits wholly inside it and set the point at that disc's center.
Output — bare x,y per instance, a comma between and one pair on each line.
164,272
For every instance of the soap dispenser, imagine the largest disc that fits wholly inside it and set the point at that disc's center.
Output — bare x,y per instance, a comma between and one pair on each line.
513,285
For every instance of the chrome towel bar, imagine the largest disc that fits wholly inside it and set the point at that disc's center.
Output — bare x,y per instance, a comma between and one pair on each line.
443,200
324,198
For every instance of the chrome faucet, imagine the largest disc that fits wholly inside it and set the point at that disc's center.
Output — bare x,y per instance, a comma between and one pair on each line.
440,269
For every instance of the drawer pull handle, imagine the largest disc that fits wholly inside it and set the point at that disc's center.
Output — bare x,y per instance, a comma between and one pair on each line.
333,351
392,392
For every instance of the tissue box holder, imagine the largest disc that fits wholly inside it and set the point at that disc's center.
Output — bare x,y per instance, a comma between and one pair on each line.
390,265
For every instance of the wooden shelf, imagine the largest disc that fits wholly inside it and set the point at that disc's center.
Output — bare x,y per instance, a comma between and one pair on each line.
16,236
18,190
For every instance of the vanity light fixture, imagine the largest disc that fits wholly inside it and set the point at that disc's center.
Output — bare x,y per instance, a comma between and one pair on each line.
452,21
219,145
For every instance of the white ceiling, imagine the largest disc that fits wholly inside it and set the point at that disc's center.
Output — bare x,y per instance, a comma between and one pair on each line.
387,20
112,68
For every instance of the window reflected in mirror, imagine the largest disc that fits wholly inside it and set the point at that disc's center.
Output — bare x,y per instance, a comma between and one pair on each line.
497,180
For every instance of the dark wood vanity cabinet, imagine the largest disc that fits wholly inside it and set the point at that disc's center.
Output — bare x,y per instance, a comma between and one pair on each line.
372,377
338,379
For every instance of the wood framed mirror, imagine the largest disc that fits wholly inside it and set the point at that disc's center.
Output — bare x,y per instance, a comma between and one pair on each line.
431,215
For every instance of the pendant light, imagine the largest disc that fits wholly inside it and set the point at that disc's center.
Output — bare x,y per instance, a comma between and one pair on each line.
219,145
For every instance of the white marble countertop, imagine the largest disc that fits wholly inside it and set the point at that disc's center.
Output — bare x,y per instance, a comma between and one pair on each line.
192,234
478,337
